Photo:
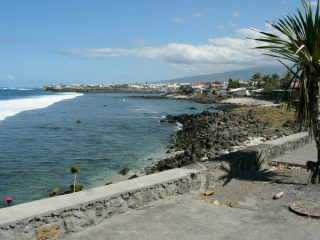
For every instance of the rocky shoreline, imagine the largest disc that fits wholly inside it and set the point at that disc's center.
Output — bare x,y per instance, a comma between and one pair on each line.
207,136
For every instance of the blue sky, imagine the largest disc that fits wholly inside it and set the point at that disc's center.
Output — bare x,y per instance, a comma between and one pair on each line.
82,41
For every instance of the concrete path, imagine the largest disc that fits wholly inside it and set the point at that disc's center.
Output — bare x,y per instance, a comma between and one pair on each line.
300,156
189,218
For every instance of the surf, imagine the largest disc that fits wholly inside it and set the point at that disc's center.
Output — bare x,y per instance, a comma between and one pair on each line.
12,107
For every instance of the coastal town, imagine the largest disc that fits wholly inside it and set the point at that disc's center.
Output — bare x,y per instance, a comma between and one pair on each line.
258,84
136,87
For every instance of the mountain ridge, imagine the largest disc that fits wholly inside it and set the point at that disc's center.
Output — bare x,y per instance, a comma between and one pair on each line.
244,74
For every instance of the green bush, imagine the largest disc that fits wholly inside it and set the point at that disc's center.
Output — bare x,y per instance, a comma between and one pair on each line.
186,90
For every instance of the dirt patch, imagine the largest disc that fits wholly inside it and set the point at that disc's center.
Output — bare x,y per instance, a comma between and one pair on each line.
277,117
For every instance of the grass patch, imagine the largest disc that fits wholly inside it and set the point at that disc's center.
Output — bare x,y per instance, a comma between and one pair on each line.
276,116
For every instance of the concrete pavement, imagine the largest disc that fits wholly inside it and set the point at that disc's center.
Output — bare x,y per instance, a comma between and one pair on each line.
189,218
299,156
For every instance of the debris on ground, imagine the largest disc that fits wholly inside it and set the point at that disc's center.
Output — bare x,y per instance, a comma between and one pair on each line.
208,193
278,195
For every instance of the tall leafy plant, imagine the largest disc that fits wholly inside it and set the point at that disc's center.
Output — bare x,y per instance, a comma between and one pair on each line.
75,170
296,43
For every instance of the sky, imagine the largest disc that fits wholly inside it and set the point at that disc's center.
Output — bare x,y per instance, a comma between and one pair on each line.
117,41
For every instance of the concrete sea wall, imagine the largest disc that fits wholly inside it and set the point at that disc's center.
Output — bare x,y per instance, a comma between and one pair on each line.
53,218
254,157
275,148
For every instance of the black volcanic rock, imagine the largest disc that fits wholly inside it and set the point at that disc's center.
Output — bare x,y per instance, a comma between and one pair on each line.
124,171
210,134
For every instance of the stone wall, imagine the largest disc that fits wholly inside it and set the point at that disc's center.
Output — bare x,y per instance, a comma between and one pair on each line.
256,157
53,218
277,147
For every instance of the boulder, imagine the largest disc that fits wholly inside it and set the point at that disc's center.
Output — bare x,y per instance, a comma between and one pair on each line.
124,171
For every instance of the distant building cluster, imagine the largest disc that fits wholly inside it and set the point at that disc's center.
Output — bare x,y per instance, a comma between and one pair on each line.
257,85
156,87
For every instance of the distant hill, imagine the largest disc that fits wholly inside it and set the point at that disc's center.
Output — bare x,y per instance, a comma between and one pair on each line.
240,74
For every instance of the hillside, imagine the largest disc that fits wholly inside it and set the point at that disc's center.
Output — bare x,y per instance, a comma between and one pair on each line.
240,74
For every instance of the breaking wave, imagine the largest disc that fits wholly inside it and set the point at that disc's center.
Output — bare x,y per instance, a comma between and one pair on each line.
9,108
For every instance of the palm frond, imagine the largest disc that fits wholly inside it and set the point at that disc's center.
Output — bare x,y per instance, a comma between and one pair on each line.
296,40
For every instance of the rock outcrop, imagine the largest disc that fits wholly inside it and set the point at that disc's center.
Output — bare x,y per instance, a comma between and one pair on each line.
208,135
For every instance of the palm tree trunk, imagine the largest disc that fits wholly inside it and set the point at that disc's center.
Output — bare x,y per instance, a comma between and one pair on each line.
74,183
316,131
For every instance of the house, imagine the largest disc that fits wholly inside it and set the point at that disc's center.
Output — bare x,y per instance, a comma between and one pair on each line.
239,92
217,85
201,87
243,82
260,90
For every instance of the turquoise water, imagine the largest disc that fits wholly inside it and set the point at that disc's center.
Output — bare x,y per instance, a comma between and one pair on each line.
37,147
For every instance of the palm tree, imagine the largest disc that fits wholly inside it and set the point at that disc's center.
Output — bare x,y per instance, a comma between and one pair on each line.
75,170
297,43
286,80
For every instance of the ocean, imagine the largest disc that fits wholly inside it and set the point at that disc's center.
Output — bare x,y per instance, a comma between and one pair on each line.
43,134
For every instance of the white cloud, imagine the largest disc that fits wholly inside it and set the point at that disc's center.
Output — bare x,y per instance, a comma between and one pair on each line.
178,20
248,33
226,53
233,24
197,14
236,14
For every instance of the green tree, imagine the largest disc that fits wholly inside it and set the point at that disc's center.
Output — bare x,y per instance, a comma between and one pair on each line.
271,83
275,77
233,83
185,89
297,40
256,77
256,80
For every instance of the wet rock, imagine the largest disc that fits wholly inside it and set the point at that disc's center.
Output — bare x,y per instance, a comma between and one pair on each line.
174,160
124,171
133,176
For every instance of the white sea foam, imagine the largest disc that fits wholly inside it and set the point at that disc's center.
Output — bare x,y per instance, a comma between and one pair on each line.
179,126
9,108
17,89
